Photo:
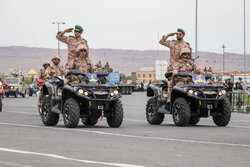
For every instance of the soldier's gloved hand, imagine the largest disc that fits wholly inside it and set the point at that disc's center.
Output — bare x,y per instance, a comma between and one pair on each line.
172,34
69,30
175,72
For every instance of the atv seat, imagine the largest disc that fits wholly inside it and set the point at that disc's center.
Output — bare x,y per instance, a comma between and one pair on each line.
103,73
76,72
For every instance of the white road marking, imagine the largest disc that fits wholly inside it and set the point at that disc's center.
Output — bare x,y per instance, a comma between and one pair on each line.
21,112
130,136
12,164
67,158
134,120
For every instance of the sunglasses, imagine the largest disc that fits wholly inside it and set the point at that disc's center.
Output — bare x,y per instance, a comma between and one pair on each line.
179,34
83,50
57,59
78,31
186,54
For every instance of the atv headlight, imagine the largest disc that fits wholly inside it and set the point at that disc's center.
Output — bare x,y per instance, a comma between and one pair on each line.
80,91
222,92
116,92
190,91
195,93
86,93
112,94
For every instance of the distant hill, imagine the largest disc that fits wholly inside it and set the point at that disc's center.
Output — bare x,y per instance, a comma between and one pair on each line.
124,61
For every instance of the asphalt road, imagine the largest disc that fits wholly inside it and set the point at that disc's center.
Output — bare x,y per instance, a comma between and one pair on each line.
25,141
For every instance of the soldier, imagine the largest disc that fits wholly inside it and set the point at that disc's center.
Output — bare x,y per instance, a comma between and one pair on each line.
184,64
98,66
72,41
80,62
55,69
210,71
175,46
43,74
107,67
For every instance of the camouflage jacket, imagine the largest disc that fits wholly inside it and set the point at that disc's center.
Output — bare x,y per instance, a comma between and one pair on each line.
44,73
56,70
175,49
72,43
185,65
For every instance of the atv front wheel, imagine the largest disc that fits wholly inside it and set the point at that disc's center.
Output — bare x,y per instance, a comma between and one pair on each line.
181,112
152,115
89,121
71,113
224,113
116,117
48,118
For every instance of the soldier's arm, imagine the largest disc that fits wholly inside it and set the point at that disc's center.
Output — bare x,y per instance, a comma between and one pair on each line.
61,37
176,68
167,43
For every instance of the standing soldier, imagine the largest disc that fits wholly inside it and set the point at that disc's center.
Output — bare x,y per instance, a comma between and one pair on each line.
175,51
55,69
44,75
72,41
175,46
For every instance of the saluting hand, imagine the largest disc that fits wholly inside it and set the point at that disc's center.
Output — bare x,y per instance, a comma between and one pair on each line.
69,30
172,34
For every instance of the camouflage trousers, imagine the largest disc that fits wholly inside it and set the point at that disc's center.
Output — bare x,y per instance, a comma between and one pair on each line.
175,80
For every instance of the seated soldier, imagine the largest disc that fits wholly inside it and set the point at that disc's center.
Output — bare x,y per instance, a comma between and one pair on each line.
184,64
80,62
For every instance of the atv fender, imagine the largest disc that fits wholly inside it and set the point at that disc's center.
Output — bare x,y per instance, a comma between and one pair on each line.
153,90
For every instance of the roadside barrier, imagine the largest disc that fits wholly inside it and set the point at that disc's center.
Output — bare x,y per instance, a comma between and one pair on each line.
240,102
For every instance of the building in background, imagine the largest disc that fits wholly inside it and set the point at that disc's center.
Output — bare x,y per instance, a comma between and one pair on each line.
146,75
161,69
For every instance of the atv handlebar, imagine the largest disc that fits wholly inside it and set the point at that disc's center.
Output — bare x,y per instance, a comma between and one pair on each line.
186,74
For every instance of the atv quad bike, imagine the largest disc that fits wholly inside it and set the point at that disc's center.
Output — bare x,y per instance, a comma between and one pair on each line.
88,99
189,101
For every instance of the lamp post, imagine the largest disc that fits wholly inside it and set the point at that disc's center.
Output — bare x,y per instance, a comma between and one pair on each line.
245,79
223,47
58,27
196,29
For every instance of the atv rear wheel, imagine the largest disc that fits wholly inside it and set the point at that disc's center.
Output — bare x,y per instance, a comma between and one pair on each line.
116,117
181,112
48,118
224,112
194,120
89,121
71,113
152,115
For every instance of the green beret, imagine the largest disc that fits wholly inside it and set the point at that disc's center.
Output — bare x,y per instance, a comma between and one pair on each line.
79,27
181,30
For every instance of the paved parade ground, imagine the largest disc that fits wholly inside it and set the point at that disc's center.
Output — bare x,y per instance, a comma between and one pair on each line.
26,142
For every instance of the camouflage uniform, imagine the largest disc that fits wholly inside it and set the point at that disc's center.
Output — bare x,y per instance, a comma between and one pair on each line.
72,43
79,63
98,66
56,70
43,74
175,49
184,64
